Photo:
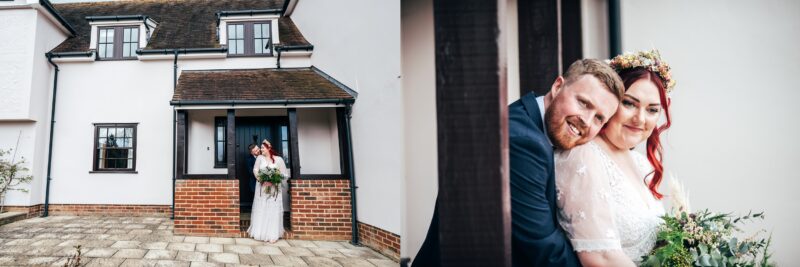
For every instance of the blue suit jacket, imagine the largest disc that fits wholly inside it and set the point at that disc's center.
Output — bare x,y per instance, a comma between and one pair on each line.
536,237
251,162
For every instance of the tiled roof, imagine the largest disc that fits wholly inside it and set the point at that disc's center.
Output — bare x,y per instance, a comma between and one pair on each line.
258,85
181,23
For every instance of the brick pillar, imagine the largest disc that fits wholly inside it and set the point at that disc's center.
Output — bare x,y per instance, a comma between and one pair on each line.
321,209
207,207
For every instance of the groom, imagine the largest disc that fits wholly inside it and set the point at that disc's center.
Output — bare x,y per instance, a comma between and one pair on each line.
572,113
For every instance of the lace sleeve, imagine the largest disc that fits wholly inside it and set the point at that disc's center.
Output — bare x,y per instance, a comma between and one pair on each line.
583,196
257,165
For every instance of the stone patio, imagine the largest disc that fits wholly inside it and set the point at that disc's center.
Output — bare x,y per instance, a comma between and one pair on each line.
142,241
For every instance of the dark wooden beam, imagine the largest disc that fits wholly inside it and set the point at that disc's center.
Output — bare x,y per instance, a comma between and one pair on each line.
341,112
571,32
230,134
474,204
180,149
538,45
293,144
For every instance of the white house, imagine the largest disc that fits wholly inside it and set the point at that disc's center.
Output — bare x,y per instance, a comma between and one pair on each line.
148,108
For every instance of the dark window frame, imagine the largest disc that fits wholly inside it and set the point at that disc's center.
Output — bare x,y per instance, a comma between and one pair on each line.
118,41
249,38
220,121
95,140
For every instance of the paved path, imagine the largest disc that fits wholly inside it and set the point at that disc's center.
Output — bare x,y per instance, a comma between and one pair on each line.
143,241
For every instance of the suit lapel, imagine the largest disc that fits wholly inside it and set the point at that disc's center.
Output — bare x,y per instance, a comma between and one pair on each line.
529,101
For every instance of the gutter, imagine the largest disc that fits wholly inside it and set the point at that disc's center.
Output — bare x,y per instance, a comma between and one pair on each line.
117,18
351,173
261,102
50,145
69,54
281,48
46,4
181,51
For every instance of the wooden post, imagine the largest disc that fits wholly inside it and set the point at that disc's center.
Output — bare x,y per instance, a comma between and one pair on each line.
293,144
180,135
539,54
230,134
472,127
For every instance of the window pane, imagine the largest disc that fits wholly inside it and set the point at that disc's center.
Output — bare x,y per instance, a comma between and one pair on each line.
126,50
103,132
102,38
126,35
101,50
285,149
120,132
240,47
284,133
130,163
134,34
109,35
259,46
128,132
109,50
265,31
257,30
134,47
220,133
220,152
239,31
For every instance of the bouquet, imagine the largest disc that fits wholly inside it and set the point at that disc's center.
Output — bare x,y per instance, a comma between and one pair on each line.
274,177
705,238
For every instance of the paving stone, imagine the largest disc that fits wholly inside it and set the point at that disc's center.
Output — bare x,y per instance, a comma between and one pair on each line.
154,245
21,242
138,263
208,248
302,243
100,252
321,261
255,259
126,244
45,243
238,249
124,237
223,257
65,252
249,242
41,260
98,243
181,246
46,236
130,253
104,262
222,240
171,263
293,251
354,262
196,239
383,263
141,232
267,250
328,244
12,249
95,231
41,251
191,256
288,260
203,264
358,253
160,254
279,243
326,252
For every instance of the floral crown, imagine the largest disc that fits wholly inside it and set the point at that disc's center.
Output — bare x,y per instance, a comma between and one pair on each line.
649,60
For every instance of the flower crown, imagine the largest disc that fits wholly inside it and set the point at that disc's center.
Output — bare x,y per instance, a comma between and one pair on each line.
649,60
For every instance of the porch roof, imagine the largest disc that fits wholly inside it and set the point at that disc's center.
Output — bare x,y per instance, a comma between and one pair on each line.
260,86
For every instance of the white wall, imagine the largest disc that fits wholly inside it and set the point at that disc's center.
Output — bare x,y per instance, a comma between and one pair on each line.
419,109
200,150
594,25
16,57
733,141
362,50
318,141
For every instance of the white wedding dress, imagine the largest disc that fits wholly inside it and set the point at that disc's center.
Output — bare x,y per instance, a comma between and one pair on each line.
601,208
266,218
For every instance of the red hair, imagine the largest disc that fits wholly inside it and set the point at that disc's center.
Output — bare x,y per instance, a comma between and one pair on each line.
654,149
272,152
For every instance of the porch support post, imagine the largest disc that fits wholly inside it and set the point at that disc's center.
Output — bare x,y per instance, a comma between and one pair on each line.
231,143
293,144
539,45
180,150
346,164
474,202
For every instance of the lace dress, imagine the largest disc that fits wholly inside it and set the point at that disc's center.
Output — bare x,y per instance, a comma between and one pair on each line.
601,208
266,218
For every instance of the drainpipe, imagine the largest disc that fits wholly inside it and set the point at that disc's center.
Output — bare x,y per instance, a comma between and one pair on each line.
50,145
614,28
351,173
174,86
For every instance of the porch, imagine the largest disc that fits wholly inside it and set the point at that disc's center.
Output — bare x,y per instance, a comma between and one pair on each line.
302,112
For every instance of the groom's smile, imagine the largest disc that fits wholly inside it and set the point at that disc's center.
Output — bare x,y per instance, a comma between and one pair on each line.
578,110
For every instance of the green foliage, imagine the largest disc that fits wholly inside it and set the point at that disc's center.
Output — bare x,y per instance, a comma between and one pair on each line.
272,176
707,239
12,173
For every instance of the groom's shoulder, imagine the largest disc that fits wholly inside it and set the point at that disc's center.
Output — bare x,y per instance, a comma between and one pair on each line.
520,122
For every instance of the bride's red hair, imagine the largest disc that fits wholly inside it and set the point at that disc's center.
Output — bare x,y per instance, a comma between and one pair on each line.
654,148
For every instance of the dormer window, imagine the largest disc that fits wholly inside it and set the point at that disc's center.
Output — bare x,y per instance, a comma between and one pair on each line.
249,38
118,42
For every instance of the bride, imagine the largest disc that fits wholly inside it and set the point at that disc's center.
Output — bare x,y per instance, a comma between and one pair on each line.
607,194
267,216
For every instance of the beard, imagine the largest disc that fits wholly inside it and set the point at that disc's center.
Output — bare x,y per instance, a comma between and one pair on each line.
557,131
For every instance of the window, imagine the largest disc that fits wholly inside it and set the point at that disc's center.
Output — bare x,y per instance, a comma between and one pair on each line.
115,147
220,135
117,42
250,38
285,145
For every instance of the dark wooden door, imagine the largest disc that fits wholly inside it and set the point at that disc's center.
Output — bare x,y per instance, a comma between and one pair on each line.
252,130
